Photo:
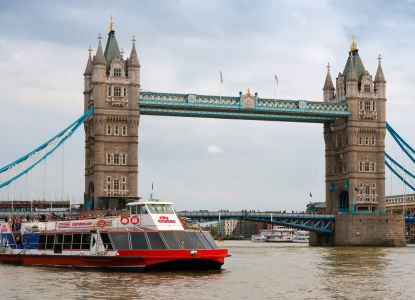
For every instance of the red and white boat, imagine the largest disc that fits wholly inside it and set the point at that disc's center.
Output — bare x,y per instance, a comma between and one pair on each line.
151,237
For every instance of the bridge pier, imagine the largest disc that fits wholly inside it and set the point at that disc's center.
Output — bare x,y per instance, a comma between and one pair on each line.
379,230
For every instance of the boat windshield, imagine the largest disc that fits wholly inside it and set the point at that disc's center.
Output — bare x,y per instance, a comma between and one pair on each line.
160,208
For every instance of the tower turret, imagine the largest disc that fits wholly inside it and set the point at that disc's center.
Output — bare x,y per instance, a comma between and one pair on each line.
98,63
133,64
328,89
380,82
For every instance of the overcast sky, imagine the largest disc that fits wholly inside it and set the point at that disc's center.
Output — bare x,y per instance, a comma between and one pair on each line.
182,45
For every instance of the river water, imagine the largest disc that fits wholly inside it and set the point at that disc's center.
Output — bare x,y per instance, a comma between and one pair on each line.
255,271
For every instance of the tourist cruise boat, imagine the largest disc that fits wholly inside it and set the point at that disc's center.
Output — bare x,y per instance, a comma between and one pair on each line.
150,237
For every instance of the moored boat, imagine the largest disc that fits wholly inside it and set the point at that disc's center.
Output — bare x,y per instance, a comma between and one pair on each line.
150,237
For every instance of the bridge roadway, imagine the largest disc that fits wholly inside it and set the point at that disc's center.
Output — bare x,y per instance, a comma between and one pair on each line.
312,222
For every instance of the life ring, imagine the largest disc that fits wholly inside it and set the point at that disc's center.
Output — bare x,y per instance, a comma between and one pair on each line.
134,220
101,223
124,220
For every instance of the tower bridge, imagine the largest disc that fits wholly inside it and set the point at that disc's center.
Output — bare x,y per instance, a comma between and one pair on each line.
353,114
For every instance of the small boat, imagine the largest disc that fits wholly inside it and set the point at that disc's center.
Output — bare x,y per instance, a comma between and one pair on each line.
150,237
278,234
301,236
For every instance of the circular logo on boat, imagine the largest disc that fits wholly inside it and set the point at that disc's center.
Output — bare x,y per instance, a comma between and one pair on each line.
101,223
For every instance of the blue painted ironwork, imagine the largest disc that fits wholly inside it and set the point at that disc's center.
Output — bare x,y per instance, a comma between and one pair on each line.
23,165
310,222
224,107
401,142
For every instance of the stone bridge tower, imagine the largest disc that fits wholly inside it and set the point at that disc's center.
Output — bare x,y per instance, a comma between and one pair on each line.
111,85
355,147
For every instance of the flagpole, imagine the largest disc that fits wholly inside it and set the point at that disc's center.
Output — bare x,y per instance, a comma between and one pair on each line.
220,84
276,83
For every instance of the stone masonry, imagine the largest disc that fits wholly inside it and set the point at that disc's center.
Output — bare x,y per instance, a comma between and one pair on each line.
111,85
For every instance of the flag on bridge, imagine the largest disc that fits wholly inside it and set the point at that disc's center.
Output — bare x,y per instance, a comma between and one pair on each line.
221,77
311,196
276,78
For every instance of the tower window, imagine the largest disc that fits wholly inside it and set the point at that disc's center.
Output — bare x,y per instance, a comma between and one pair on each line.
109,129
360,140
124,130
361,105
116,130
366,140
116,159
108,179
373,141
367,105
366,88
109,91
124,179
117,72
125,92
116,184
117,92
109,158
124,159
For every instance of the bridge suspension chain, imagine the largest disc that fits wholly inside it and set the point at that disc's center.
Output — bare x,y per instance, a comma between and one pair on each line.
24,164
394,166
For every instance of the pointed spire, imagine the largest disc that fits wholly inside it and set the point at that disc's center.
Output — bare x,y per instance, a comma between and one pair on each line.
353,46
351,75
379,72
88,69
133,61
111,25
328,84
99,56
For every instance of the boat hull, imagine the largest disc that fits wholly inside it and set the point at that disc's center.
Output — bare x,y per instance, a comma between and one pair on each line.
127,260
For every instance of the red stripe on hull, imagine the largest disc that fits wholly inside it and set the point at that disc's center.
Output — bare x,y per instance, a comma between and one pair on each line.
125,259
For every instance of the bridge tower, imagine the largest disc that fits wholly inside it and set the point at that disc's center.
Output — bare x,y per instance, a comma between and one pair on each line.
111,85
355,147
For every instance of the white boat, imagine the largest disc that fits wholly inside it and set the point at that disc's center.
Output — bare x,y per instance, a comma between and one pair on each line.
301,236
278,234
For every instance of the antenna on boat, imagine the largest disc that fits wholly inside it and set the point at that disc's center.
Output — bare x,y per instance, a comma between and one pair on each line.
152,189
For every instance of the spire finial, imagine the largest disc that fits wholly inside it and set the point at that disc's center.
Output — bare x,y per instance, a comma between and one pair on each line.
353,46
90,50
328,67
133,39
111,25
379,58
122,52
99,37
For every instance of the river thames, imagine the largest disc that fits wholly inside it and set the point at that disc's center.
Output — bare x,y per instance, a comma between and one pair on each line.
255,271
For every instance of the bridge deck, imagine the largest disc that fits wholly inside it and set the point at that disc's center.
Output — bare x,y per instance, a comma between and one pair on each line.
224,107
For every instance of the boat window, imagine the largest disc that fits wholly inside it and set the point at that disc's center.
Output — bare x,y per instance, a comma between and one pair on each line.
133,210
86,241
170,239
210,239
59,239
195,240
106,240
203,240
120,240
138,240
156,241
67,241
160,208
144,210
49,241
42,242
184,240
76,241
